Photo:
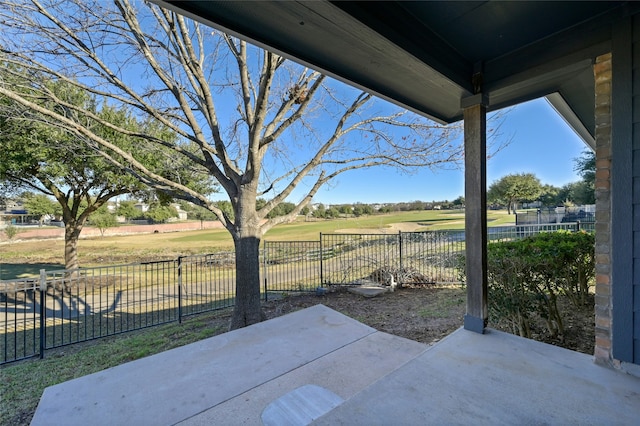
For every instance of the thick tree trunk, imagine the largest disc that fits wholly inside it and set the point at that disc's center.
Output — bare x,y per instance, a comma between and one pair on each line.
72,231
246,239
247,309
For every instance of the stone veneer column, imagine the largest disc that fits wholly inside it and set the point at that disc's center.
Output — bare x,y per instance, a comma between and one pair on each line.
603,302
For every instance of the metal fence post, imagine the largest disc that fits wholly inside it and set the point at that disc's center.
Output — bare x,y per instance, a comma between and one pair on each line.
321,263
264,268
180,289
400,271
43,320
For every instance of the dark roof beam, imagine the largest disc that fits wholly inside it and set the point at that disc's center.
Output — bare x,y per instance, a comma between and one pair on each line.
331,41
586,40
413,37
538,82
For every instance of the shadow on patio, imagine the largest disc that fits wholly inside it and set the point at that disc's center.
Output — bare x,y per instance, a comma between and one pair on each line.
262,375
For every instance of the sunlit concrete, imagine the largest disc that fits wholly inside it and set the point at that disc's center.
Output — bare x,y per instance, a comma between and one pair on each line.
358,376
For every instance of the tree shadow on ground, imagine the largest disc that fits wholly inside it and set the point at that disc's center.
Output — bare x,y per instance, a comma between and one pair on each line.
10,271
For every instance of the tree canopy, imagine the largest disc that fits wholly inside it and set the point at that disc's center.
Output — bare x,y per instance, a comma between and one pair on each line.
159,213
47,154
128,210
103,219
41,205
53,161
513,188
585,165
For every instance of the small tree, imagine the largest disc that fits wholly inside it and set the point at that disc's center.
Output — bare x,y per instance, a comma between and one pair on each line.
550,196
347,209
514,188
585,165
128,210
458,202
103,219
332,212
281,209
320,212
362,209
11,231
159,213
41,205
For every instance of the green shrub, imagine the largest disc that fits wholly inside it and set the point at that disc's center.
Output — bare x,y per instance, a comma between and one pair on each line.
11,231
512,298
573,267
526,277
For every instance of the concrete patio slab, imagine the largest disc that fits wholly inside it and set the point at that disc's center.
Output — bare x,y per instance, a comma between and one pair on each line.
495,379
345,371
370,377
179,384
300,406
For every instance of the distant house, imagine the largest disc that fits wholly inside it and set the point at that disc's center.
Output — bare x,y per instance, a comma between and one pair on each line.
143,207
13,212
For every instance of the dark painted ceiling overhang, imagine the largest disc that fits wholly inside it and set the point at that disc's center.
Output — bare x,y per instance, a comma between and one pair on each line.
424,55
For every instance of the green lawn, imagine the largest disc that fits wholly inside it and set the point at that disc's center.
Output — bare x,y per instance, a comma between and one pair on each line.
25,270
25,258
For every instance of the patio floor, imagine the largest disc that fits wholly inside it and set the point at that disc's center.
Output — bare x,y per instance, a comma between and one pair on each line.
320,366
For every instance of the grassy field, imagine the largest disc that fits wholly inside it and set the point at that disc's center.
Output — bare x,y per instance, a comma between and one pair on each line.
23,259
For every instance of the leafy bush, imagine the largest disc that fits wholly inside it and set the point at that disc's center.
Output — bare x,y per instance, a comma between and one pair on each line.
103,220
11,231
511,296
570,262
159,213
526,277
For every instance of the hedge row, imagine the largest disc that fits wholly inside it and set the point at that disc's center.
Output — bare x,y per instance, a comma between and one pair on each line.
526,277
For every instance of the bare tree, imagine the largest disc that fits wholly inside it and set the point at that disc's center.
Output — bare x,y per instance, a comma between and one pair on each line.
264,127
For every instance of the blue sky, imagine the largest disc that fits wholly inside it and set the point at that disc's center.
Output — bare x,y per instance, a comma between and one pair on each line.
543,144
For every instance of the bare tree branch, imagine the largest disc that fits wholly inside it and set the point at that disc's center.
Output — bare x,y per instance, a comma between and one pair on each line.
261,125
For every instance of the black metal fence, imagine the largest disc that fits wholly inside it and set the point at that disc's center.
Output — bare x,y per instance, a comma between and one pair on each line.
291,266
582,214
70,306
358,258
410,257
405,258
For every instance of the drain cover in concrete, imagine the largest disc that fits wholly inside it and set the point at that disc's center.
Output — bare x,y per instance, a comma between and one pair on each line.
300,406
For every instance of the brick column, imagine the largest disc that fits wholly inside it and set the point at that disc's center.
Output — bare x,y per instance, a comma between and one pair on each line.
603,302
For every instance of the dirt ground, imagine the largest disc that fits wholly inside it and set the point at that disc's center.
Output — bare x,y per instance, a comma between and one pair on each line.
427,314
